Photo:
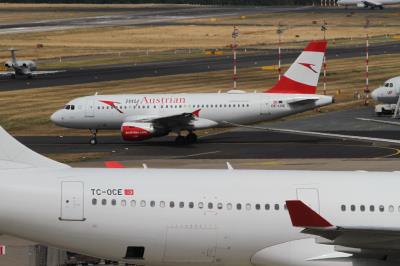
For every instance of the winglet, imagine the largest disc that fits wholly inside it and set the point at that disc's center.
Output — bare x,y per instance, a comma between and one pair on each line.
303,216
114,164
196,113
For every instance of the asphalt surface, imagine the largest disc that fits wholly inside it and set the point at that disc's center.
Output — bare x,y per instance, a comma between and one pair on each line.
241,143
194,65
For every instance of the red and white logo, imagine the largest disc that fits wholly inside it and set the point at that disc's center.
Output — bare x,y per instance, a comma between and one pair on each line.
2,250
129,192
309,66
112,104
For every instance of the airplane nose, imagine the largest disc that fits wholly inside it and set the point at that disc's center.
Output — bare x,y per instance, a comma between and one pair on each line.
57,117
374,94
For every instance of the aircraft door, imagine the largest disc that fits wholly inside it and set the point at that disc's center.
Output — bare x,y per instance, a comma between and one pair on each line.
72,201
89,108
309,196
265,108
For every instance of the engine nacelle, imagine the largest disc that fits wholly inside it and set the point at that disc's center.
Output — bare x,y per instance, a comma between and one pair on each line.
8,64
135,131
361,4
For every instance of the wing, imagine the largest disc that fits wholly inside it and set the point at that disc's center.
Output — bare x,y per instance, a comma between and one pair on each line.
180,121
372,239
372,3
39,73
319,134
7,73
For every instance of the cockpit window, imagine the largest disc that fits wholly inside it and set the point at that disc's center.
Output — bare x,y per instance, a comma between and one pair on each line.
69,107
72,107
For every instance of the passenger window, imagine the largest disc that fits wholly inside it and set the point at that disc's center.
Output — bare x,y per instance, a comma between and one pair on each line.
133,203
343,207
201,205
258,206
276,207
113,202
229,206
267,207
123,203
152,203
94,201
142,203
181,204
219,206
285,207
210,205
353,208
191,205
171,204
391,208
371,208
381,208
248,206
103,202
362,208
162,204
238,206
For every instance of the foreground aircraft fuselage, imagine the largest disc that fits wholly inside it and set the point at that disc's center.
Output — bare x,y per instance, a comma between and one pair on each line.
201,217
166,217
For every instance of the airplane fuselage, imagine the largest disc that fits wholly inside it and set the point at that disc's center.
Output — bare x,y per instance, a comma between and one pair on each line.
200,217
110,111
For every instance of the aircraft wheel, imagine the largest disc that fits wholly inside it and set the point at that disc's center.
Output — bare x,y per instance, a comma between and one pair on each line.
180,140
191,138
93,141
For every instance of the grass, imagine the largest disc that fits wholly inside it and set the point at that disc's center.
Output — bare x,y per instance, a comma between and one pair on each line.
29,115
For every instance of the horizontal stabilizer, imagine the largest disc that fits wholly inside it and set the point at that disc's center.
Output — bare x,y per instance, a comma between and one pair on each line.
303,216
15,155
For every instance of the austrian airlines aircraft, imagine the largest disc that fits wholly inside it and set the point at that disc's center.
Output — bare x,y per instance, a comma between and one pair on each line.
367,3
143,116
171,217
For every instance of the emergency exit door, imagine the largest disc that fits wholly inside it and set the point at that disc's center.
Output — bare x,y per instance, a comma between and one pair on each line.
309,196
72,198
89,108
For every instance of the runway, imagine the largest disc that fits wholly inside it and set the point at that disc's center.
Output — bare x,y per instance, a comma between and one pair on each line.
240,143
194,65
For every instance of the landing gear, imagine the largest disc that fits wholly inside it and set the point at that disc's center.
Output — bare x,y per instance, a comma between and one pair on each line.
93,140
188,139
191,138
180,140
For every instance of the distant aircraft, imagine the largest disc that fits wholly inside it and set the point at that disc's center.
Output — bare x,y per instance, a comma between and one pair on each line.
388,95
166,217
367,3
143,116
26,68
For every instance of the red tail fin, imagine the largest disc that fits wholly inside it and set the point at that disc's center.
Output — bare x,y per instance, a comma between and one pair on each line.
303,75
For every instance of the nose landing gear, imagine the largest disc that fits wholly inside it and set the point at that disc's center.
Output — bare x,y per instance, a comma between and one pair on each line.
93,140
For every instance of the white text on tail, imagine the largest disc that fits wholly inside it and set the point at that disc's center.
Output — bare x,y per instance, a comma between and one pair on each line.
303,75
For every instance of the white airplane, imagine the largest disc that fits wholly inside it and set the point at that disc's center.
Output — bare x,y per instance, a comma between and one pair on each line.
389,92
172,217
367,3
26,68
143,116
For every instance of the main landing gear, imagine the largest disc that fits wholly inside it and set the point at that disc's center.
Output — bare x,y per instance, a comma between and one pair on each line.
93,140
188,139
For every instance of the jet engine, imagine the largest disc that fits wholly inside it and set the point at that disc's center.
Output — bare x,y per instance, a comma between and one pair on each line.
8,64
135,131
361,4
